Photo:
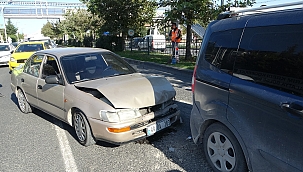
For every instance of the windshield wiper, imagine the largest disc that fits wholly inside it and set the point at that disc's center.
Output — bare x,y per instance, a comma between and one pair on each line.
77,81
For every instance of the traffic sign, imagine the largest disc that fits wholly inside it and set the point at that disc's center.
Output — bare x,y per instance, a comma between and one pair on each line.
131,32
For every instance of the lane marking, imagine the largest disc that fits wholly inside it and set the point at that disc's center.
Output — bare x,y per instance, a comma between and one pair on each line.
67,154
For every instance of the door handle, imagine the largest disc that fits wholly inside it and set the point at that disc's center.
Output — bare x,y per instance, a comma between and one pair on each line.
293,108
39,86
22,80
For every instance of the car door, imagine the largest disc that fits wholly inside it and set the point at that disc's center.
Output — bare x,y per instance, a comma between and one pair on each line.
51,96
266,96
28,79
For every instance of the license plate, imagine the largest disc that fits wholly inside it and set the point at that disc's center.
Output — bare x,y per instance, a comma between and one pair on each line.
159,125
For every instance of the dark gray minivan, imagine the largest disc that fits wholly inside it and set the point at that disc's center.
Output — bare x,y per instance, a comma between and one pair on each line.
248,92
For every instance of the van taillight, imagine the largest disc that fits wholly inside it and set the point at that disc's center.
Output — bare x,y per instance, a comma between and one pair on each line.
193,82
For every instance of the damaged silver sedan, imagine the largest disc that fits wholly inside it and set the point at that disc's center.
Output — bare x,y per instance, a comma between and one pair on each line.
96,92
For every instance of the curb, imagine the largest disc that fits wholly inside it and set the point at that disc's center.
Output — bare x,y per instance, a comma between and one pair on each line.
138,62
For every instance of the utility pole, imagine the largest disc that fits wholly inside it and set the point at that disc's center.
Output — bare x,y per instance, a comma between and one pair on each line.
222,2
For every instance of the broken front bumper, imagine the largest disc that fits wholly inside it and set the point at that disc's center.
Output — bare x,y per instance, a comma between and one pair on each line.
142,128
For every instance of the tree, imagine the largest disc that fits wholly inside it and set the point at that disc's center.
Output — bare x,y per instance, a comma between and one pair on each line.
10,28
77,23
121,15
189,12
48,30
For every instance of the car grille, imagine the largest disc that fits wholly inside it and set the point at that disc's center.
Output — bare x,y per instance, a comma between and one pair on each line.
141,124
21,61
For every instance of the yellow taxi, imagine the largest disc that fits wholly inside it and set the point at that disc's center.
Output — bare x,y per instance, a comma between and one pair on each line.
24,51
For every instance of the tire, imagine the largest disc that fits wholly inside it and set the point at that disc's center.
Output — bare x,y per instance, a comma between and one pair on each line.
82,129
24,106
222,150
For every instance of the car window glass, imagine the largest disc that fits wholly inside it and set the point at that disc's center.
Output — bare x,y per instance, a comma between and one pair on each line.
222,49
116,63
93,66
4,48
33,64
29,48
50,67
272,56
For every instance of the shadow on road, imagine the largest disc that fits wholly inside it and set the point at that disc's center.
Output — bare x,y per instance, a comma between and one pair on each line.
174,142
66,127
14,98
177,145
55,121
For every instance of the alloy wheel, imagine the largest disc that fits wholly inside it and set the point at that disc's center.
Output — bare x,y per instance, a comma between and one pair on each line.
21,101
80,127
221,152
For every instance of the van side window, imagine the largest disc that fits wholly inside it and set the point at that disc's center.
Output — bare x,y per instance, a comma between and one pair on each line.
222,49
272,56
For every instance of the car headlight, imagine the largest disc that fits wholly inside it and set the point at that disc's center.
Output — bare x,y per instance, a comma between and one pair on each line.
119,115
12,59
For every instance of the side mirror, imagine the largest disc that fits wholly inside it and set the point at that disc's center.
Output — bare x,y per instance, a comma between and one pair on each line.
12,51
52,79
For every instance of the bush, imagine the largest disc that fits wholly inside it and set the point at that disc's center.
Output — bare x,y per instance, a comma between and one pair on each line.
112,43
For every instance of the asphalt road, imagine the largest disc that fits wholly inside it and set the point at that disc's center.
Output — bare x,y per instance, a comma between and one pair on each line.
39,142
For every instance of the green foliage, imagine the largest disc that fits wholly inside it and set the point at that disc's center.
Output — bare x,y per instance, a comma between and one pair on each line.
240,3
14,38
48,30
121,15
21,36
10,28
112,43
196,11
76,24
80,21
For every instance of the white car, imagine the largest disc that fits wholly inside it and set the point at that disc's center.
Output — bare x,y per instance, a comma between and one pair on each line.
153,42
5,53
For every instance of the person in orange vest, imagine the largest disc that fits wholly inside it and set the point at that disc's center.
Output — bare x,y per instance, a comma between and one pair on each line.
175,35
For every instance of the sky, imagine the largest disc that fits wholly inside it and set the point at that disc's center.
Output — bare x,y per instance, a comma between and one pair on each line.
33,26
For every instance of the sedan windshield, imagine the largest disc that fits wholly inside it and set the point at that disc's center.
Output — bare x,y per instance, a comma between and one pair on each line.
29,48
4,48
85,67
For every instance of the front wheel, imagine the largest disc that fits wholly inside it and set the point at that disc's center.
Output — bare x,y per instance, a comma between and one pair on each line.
82,129
222,150
24,106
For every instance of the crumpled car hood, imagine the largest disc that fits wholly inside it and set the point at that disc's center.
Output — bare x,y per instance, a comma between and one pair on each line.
132,91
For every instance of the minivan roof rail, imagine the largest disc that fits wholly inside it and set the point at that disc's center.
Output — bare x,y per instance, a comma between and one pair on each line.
268,7
234,12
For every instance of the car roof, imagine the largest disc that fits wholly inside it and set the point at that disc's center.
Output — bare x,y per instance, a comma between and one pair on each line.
35,42
60,52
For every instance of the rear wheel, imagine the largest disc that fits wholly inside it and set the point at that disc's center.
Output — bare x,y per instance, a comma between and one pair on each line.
222,150
82,129
22,102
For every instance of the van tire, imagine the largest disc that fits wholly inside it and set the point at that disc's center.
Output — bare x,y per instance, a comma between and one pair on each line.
218,139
